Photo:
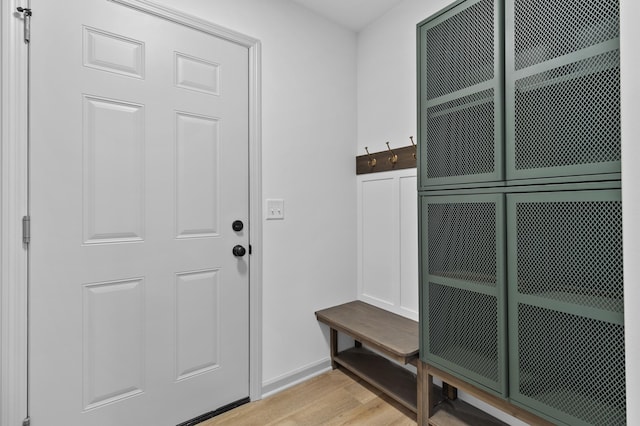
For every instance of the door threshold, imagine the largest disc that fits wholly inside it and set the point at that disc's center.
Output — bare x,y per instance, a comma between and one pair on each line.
214,413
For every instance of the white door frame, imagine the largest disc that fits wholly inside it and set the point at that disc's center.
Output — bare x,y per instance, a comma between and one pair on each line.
13,197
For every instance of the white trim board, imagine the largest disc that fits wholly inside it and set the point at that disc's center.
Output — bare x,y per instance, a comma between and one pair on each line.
13,190
13,195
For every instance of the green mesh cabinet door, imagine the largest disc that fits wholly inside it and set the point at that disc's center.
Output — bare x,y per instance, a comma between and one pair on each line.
562,88
463,287
566,326
460,88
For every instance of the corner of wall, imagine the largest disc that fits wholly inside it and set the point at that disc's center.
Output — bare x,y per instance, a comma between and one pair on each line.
630,110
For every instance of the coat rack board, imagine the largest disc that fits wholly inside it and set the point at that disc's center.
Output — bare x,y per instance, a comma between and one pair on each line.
383,161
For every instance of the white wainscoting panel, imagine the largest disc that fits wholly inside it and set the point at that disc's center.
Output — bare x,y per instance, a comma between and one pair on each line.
377,239
388,241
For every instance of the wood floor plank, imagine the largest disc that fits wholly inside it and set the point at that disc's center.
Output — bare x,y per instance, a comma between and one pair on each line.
323,409
335,398
280,405
362,391
378,411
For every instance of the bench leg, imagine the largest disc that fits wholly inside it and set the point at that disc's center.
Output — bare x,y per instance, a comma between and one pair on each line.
334,346
425,395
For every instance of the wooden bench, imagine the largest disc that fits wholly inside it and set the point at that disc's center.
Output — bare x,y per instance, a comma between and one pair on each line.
397,338
392,335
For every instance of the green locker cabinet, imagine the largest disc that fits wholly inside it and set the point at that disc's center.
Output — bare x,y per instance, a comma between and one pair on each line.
566,324
463,289
460,82
548,73
562,91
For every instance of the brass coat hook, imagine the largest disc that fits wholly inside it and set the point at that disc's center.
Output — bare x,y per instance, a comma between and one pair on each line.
372,161
415,147
394,157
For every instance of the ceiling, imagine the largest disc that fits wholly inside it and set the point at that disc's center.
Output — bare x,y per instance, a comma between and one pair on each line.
352,14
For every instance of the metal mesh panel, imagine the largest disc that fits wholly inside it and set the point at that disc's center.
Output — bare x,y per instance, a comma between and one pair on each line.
569,115
459,51
463,329
461,136
573,364
462,241
571,251
548,29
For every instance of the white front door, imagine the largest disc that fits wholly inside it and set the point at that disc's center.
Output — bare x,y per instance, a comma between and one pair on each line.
139,309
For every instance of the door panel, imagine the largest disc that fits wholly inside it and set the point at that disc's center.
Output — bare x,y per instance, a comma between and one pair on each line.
460,84
139,168
562,89
463,287
566,305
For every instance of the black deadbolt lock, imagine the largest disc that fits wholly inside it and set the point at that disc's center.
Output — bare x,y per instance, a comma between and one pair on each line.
237,225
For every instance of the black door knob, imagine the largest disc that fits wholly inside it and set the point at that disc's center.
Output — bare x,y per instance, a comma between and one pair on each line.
239,251
237,225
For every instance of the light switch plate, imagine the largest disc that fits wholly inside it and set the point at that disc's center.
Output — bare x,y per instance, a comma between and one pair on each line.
275,209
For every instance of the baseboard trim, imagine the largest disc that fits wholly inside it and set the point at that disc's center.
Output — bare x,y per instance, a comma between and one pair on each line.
299,375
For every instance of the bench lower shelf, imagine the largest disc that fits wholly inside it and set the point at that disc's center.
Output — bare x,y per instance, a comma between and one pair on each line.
390,378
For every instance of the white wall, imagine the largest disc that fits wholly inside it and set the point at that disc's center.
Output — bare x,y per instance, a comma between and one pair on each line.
308,149
387,111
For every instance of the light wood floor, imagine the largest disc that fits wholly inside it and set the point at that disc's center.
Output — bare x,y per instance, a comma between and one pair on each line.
333,398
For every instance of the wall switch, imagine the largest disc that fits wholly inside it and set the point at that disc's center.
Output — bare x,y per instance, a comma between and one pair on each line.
275,209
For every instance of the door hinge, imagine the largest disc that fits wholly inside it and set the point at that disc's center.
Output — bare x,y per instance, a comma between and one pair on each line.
26,13
26,422
250,250
26,230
